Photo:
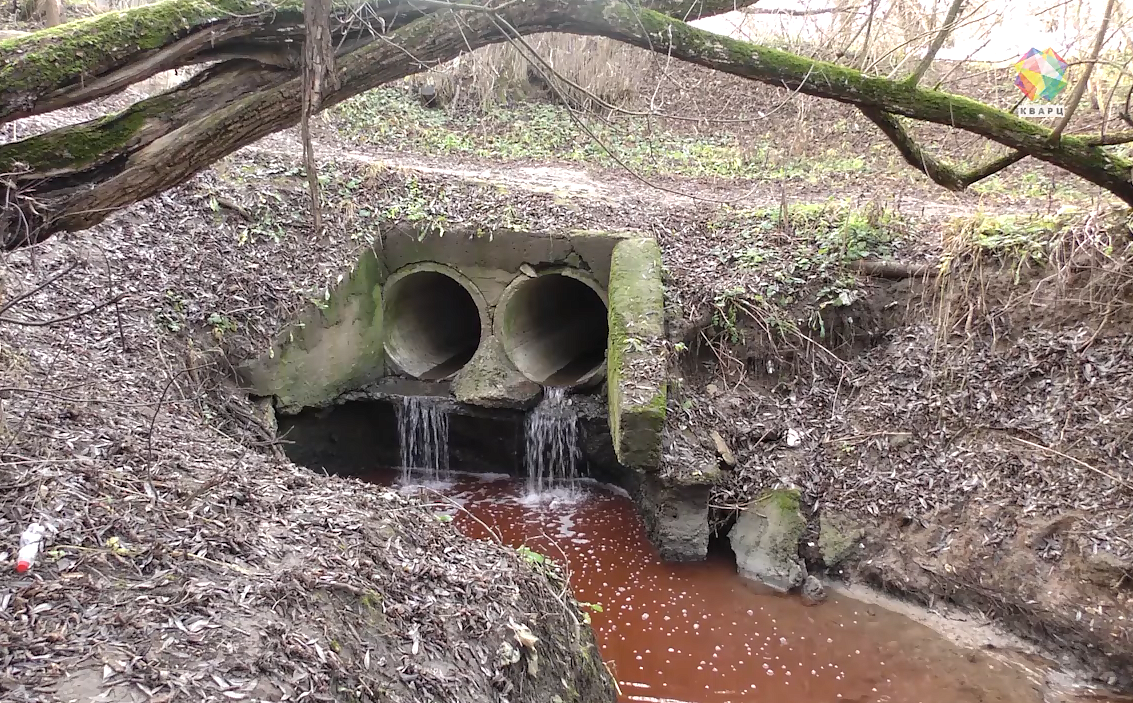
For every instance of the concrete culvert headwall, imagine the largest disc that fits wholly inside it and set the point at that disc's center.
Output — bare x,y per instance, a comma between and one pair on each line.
553,327
434,318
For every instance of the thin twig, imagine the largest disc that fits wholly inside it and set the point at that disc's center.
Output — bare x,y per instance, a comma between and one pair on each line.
65,318
505,27
157,411
214,481
937,41
110,286
1080,88
27,294
1076,460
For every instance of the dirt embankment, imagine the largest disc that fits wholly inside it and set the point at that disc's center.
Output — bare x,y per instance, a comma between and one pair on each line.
187,559
982,446
972,426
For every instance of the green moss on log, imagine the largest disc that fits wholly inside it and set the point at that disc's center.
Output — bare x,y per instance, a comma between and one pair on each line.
74,148
846,82
65,54
848,85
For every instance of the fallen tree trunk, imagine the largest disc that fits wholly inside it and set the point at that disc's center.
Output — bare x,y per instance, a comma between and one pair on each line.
98,56
74,177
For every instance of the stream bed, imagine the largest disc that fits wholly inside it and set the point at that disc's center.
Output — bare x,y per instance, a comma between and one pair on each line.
699,633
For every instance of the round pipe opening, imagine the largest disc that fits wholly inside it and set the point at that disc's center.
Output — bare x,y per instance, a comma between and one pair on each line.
432,323
553,328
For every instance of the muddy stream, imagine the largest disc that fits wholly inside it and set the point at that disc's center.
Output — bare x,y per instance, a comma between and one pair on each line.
698,633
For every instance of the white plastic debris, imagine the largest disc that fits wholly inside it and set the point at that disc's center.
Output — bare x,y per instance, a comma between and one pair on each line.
794,438
30,542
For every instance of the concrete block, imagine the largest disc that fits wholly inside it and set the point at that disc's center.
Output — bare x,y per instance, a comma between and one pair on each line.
491,381
766,538
635,356
335,346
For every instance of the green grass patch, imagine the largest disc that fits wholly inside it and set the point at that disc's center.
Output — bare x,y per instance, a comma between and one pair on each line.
796,261
1009,237
389,118
1018,241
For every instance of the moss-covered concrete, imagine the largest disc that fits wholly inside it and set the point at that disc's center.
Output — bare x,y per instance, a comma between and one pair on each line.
490,380
838,535
766,538
336,346
635,355
484,254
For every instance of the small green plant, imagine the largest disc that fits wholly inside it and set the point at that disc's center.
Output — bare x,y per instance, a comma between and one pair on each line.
221,324
172,315
392,117
724,314
418,206
588,608
531,556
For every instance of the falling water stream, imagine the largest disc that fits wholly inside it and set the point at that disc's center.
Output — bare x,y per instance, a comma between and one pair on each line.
551,450
422,428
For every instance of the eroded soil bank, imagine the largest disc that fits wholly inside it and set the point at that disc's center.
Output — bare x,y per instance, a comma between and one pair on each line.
977,433
968,433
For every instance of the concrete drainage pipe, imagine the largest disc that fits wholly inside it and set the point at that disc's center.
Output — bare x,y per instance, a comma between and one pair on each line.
553,327
433,319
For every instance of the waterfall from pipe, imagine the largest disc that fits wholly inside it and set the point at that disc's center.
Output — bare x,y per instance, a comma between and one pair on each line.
422,429
552,449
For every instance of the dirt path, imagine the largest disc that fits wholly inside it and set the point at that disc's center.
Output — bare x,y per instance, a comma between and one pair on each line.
581,182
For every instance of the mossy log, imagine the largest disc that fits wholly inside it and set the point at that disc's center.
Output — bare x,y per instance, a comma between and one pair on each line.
75,176
97,56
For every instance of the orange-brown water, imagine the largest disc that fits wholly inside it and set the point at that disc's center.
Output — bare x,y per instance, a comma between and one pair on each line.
698,633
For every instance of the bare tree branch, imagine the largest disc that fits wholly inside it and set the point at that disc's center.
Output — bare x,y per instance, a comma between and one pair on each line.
318,78
798,13
65,318
940,172
8,304
938,41
1080,87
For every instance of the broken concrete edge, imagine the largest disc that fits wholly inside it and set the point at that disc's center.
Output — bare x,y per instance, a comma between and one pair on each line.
336,345
490,380
766,539
687,477
675,516
506,249
635,358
